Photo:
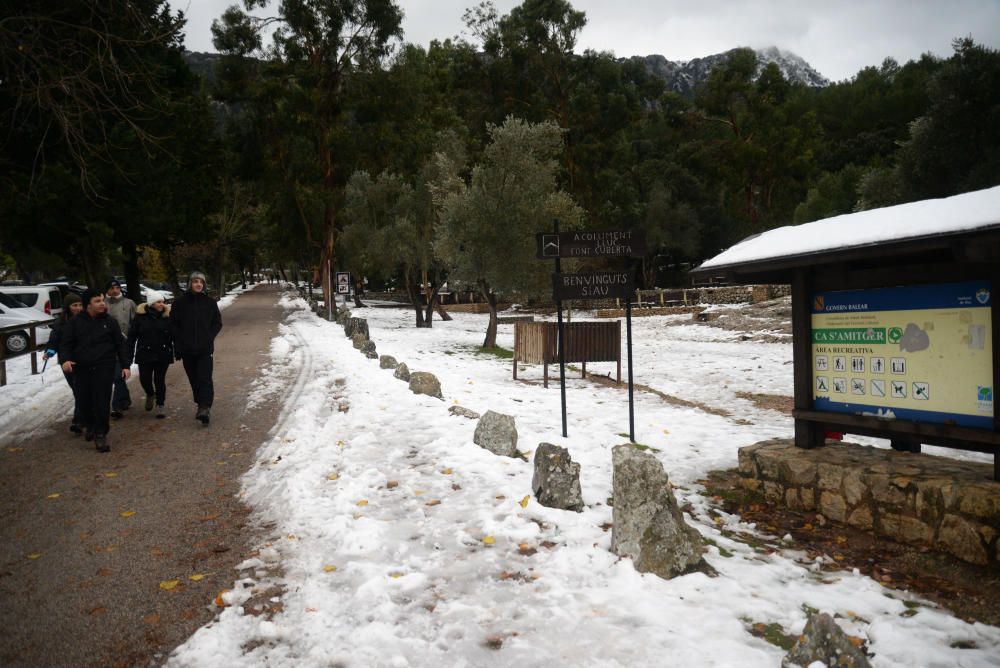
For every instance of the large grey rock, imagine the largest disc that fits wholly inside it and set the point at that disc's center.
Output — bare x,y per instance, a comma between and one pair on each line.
387,362
371,354
463,412
556,482
822,640
354,326
359,340
648,525
343,315
496,432
402,372
368,347
422,382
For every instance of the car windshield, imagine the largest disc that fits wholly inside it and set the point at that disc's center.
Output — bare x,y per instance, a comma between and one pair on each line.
10,302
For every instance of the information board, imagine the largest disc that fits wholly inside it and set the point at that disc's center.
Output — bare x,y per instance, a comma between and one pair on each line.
343,283
922,353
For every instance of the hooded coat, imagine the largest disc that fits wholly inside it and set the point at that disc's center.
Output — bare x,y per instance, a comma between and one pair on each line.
195,321
151,338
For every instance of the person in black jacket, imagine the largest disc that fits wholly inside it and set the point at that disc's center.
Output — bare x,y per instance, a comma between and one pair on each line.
151,344
195,322
90,347
72,306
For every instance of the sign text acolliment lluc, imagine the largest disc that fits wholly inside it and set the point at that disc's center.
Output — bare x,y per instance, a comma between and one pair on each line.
605,243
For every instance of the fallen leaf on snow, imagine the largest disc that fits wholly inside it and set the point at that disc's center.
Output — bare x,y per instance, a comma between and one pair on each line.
332,476
363,502
433,502
489,540
329,569
524,501
447,471
219,601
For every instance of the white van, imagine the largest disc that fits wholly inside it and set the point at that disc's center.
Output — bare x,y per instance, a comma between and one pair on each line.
47,298
15,314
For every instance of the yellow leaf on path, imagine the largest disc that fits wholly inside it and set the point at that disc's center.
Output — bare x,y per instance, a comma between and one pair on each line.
15,449
489,540
110,474
363,502
167,585
53,496
447,471
197,577
34,555
332,476
329,569
127,513
524,501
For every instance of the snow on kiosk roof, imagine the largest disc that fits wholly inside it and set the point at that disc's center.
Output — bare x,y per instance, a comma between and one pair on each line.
896,230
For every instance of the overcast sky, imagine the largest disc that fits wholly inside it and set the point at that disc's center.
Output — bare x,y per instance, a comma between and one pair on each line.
836,37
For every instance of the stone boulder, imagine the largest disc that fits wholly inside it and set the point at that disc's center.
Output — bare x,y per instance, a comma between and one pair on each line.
463,412
422,382
496,432
387,362
822,640
368,347
371,354
648,525
355,326
556,482
343,315
402,373
359,340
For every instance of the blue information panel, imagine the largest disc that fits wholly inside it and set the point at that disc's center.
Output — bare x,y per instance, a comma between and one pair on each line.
921,353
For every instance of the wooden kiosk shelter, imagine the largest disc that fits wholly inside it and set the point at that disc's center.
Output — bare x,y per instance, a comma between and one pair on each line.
894,320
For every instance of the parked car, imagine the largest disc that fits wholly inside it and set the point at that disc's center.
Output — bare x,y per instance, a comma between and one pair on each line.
42,297
66,287
15,314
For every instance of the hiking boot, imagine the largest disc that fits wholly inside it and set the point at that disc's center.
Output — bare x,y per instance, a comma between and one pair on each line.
161,412
75,428
88,435
101,441
149,402
203,414
116,414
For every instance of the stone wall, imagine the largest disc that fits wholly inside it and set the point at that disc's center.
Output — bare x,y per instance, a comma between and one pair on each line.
918,499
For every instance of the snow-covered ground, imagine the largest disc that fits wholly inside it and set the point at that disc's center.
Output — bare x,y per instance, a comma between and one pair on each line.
29,402
390,539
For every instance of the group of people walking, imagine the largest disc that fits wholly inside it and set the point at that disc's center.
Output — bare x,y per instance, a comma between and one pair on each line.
102,333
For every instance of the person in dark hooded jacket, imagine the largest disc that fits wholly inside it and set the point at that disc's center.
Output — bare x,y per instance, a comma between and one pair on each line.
151,345
72,306
91,346
195,322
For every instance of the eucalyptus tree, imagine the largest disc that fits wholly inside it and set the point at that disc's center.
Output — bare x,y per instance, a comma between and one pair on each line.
296,86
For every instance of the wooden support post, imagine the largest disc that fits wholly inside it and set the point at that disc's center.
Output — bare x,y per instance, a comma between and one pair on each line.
807,434
584,374
32,339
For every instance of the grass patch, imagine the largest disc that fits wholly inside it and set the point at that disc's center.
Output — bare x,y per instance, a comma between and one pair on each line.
774,634
964,644
502,353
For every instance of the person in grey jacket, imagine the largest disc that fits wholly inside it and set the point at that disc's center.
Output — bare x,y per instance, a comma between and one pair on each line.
122,310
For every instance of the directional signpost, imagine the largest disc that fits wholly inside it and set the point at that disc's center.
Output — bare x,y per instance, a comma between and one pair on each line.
592,285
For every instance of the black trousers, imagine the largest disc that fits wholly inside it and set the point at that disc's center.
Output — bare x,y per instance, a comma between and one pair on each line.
199,372
70,379
153,378
92,387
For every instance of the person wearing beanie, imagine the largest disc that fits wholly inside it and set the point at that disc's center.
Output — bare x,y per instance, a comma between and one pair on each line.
195,322
72,306
151,345
122,310
92,348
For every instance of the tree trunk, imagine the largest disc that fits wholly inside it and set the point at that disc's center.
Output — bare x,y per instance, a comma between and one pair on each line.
491,330
220,277
130,260
412,293
167,255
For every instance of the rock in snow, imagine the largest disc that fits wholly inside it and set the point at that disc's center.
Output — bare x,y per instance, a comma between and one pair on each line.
402,373
556,481
496,432
648,525
822,640
422,382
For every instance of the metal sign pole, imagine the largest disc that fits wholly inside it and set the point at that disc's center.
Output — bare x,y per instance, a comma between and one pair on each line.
330,294
562,345
628,339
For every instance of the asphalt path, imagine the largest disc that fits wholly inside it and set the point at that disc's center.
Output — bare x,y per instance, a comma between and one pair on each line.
91,543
